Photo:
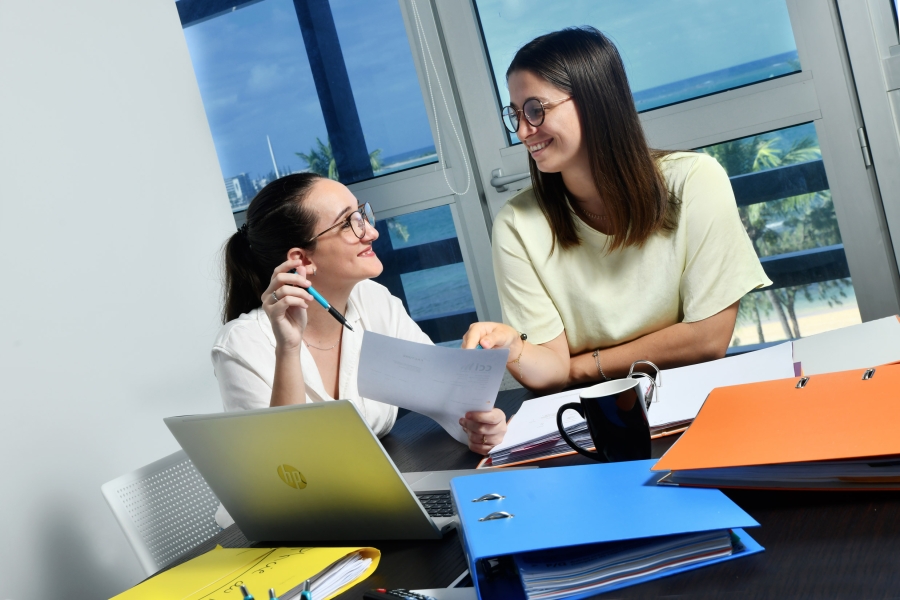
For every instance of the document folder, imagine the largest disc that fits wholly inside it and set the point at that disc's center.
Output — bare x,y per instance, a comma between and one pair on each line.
220,572
827,431
578,506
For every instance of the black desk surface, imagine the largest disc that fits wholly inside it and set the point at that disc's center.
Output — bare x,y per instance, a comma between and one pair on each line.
818,544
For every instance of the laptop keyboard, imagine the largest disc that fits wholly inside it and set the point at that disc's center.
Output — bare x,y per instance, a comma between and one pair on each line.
437,504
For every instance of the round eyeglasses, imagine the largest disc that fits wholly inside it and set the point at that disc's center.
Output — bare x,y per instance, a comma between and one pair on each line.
356,221
533,110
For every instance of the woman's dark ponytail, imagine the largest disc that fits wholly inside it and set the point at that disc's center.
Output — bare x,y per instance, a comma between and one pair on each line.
241,280
277,221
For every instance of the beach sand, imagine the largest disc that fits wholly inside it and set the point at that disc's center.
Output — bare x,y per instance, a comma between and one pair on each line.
810,324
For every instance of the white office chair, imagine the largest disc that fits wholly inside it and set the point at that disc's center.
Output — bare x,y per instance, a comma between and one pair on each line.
164,509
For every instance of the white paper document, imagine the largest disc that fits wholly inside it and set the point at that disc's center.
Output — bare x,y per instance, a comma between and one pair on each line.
684,390
438,382
855,347
537,418
677,401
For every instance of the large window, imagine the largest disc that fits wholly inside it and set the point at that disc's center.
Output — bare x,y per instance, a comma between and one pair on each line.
740,77
423,266
673,51
338,87
786,207
360,89
328,87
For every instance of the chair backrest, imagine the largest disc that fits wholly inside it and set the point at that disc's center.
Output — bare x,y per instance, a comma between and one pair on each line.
164,509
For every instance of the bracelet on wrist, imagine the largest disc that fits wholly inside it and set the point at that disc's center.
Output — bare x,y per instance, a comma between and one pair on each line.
518,359
600,372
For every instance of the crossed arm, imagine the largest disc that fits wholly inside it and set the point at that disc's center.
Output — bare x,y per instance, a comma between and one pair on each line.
549,367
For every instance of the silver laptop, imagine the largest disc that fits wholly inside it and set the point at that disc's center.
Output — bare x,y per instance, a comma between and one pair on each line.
313,472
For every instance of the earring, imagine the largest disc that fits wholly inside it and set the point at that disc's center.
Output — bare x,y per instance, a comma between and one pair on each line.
315,270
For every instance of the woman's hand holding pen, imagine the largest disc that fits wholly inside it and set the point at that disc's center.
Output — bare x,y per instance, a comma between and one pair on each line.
285,302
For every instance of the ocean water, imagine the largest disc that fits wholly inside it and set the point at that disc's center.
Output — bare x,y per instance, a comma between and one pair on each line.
714,82
407,160
438,292
717,81
421,227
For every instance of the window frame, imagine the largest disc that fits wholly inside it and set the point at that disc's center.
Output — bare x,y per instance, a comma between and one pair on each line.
822,92
425,186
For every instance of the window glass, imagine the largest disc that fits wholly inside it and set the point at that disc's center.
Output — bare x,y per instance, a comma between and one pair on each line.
785,204
439,292
259,92
673,51
423,266
896,6
421,227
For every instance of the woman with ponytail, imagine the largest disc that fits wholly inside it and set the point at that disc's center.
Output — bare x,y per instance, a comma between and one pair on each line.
277,345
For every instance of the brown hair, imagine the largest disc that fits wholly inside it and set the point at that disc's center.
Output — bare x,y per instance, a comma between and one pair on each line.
277,221
582,62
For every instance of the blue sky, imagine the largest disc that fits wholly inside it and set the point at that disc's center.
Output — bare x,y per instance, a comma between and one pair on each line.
255,79
254,76
661,41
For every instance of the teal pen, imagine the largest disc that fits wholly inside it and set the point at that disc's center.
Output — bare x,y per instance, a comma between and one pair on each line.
272,595
318,297
306,594
247,595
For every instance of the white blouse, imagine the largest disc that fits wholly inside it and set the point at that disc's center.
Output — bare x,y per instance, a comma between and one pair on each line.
243,355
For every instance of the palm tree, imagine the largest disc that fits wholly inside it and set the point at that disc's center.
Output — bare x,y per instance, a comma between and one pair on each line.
805,218
321,160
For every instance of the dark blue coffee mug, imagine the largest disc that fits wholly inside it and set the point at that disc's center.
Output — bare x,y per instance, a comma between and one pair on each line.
617,419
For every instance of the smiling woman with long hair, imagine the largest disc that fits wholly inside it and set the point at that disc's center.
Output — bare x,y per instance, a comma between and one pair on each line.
277,345
618,252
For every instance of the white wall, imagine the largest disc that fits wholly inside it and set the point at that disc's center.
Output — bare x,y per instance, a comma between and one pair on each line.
113,212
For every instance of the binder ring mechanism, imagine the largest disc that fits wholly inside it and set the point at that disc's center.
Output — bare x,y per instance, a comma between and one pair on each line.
655,381
489,497
867,375
494,516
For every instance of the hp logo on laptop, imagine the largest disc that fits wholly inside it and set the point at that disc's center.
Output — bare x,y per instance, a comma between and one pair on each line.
292,477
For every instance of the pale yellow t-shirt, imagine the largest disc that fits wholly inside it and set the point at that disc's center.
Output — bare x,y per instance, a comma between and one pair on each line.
603,298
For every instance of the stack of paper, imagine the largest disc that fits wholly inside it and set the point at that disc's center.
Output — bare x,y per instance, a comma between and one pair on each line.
866,473
339,575
827,431
545,446
684,390
533,433
627,524
220,572
564,572
855,347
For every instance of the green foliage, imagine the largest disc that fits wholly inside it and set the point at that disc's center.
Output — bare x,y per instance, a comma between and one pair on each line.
321,160
781,226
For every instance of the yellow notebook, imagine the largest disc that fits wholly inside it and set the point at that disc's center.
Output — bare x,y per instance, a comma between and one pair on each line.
218,574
